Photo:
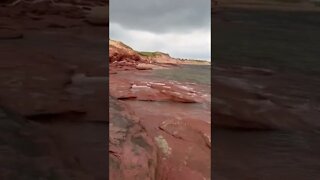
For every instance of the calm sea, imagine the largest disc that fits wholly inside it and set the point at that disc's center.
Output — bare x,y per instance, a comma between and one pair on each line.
187,73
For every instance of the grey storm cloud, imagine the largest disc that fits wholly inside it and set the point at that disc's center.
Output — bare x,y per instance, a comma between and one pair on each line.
178,27
161,16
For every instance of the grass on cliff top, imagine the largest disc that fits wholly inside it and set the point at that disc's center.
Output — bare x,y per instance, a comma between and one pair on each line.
124,45
195,60
151,54
118,43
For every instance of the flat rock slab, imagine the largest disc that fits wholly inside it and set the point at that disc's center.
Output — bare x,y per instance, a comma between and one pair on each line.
182,140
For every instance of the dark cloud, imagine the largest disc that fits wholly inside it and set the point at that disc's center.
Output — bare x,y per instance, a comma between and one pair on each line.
161,16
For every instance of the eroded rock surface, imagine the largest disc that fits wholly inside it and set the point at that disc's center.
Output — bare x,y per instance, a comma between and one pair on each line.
132,153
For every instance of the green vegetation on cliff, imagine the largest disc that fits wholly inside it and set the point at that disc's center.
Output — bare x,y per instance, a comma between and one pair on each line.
151,54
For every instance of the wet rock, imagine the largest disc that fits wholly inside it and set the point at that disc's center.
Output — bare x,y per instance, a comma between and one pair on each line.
153,91
180,97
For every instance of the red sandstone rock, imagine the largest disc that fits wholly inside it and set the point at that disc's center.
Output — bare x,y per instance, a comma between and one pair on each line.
119,52
132,152
153,91
178,133
181,140
143,67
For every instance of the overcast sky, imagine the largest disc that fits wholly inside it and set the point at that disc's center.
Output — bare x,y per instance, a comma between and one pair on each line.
178,27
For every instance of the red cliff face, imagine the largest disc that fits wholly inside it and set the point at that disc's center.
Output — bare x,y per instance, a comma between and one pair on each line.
120,52
124,57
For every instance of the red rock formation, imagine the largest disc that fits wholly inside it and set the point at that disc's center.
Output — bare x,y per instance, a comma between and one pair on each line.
119,52
164,134
122,55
